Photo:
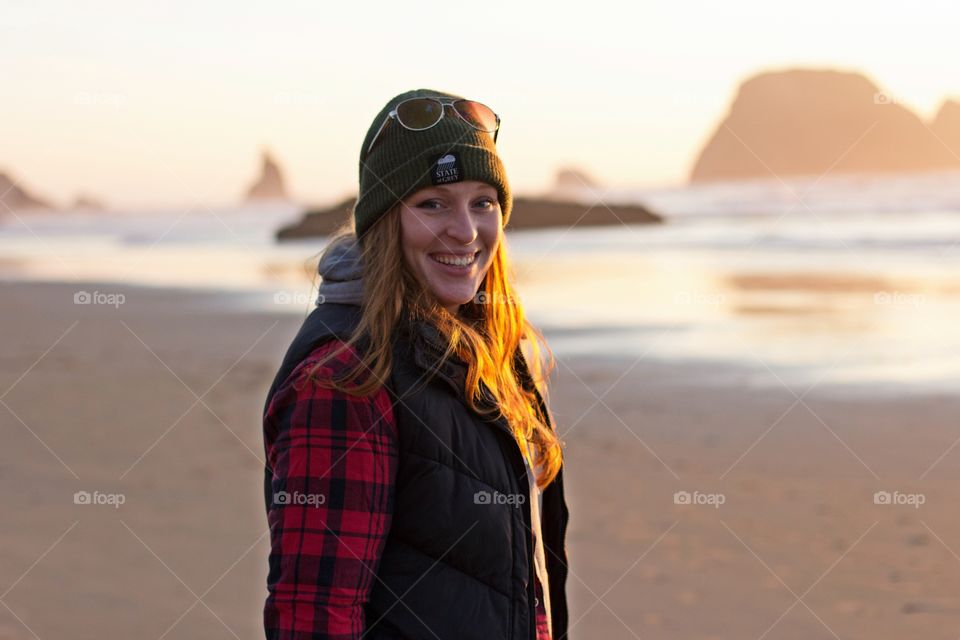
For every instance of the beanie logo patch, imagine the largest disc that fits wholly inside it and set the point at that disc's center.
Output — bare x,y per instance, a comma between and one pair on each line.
445,168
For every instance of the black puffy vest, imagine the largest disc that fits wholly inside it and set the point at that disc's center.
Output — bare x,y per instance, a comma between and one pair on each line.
455,566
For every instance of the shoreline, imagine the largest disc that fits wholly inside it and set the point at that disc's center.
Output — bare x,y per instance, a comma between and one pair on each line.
568,342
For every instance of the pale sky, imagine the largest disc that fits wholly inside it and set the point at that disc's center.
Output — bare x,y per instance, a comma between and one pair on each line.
164,103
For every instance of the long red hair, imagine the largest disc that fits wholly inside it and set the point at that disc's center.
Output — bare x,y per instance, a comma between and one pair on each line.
485,335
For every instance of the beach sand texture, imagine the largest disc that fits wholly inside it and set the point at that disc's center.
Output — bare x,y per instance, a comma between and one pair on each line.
158,399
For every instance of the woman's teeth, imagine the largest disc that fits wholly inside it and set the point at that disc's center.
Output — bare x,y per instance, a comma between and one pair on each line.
453,260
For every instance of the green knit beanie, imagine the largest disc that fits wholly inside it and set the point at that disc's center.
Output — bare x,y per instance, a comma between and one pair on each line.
404,161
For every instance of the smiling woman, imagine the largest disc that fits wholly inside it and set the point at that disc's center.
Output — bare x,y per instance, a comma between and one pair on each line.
407,408
450,234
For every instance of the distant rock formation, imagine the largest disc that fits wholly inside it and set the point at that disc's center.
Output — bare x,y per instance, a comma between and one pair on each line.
808,122
528,213
86,202
572,183
570,176
946,124
319,222
17,198
269,185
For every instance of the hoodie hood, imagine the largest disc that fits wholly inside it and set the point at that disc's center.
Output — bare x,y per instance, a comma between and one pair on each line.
341,270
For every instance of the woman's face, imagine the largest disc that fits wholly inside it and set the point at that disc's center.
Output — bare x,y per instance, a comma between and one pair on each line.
457,222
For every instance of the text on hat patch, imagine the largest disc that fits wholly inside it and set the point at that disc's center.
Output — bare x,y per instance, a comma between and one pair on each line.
445,168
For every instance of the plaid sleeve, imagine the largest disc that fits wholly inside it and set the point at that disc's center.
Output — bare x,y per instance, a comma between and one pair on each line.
334,461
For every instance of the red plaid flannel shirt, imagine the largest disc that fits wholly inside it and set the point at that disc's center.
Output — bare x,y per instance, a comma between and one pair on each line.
334,461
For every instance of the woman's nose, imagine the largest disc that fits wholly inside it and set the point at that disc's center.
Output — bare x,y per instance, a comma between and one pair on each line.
462,227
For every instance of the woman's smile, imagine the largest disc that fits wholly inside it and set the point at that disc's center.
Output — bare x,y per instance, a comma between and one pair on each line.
450,234
457,264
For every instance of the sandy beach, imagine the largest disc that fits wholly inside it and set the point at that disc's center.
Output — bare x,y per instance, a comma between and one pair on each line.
151,403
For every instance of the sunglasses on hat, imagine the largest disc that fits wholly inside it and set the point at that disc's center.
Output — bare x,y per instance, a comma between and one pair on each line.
418,114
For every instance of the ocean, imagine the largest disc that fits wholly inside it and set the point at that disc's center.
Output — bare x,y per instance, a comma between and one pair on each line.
843,282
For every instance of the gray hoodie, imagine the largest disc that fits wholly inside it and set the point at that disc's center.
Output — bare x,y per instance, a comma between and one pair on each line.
341,268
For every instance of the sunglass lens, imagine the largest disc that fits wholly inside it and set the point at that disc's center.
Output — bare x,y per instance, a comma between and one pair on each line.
419,113
477,114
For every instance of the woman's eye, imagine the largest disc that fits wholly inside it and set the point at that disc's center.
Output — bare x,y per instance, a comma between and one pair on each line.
434,204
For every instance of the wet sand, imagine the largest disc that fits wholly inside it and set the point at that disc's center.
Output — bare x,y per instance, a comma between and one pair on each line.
157,398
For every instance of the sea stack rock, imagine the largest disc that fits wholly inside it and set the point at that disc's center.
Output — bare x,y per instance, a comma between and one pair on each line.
947,125
270,184
811,122
15,197
574,184
86,202
528,213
